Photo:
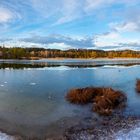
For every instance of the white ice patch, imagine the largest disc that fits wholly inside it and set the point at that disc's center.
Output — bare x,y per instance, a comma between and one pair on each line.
32,84
114,66
2,85
5,82
52,68
6,137
7,68
133,134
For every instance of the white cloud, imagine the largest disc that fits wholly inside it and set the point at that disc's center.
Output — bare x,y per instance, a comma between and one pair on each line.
35,12
115,40
125,27
124,34
16,43
68,10
64,10
95,4
51,41
107,39
63,46
5,15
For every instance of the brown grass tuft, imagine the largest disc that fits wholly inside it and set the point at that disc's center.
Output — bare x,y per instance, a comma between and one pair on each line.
81,96
138,85
104,99
110,100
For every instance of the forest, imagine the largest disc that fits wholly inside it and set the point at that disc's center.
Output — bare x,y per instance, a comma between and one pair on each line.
37,53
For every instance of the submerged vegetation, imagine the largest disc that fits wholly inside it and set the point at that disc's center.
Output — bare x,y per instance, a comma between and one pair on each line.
36,53
104,100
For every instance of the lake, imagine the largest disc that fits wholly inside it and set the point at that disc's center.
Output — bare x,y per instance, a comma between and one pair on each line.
32,93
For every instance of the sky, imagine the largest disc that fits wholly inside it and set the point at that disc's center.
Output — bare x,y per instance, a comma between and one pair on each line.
70,24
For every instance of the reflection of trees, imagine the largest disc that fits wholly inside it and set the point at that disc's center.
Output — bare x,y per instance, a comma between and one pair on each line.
43,65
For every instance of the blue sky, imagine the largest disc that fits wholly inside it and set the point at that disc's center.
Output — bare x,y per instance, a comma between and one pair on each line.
66,24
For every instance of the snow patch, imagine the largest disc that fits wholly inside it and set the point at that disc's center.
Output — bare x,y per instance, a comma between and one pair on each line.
133,134
32,84
3,136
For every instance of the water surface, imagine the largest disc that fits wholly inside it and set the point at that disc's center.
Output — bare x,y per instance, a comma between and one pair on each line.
32,93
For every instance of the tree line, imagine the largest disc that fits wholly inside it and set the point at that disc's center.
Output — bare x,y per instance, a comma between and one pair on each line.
36,53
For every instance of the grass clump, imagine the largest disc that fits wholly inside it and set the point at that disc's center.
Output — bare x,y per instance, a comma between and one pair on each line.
82,95
110,100
104,100
138,85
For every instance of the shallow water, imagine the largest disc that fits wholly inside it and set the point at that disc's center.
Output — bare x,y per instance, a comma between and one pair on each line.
32,93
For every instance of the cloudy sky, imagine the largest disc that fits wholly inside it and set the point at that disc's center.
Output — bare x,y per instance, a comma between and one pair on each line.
65,24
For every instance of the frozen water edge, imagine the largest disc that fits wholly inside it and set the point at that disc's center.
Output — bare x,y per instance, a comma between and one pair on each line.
133,134
109,128
4,136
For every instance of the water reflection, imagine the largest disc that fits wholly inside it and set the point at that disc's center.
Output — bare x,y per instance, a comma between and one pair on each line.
51,64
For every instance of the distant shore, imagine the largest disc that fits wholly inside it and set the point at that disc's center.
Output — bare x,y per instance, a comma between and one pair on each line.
64,58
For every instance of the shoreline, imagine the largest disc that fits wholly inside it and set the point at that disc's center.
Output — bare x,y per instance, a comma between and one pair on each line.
77,63
106,128
63,58
72,59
